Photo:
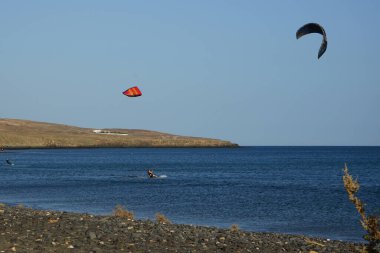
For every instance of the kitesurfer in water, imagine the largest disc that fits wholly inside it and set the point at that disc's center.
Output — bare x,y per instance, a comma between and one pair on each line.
151,174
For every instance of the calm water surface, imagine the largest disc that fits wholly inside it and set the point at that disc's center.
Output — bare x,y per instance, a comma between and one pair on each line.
296,190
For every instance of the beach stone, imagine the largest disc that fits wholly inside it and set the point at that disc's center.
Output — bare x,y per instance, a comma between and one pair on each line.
92,235
377,247
136,236
95,250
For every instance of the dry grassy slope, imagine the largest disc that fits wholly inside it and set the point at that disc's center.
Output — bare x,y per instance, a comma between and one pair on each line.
16,133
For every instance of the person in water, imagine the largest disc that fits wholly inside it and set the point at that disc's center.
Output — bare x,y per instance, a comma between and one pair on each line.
151,174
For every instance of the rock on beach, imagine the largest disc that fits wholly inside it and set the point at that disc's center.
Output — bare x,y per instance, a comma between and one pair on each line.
28,230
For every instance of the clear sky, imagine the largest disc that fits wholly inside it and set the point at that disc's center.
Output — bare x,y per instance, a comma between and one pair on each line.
230,70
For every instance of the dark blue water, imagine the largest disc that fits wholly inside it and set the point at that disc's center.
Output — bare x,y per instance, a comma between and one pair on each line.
296,190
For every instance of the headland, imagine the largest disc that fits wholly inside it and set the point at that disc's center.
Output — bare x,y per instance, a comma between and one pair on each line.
17,134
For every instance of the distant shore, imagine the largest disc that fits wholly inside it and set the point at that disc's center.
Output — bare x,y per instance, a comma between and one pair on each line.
28,230
26,134
106,147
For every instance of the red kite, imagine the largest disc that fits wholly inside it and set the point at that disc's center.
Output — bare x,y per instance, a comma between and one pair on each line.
133,92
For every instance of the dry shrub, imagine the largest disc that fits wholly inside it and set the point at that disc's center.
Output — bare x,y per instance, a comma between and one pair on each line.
369,223
160,218
120,211
234,228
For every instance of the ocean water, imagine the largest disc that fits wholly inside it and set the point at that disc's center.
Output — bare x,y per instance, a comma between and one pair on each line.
295,190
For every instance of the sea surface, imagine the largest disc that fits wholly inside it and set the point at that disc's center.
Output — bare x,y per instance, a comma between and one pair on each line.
296,190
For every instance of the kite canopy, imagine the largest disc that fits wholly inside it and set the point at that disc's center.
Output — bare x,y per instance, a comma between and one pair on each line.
133,92
314,28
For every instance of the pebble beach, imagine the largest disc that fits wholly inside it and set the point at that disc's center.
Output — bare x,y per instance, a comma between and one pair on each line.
28,230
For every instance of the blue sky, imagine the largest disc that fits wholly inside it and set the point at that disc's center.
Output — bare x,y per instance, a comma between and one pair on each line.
223,69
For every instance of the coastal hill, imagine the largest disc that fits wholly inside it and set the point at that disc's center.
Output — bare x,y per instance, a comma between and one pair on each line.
15,133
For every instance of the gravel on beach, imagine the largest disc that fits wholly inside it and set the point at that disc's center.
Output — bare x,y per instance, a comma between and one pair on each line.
28,230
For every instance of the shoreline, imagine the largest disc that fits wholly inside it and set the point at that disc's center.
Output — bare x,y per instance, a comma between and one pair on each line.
24,229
